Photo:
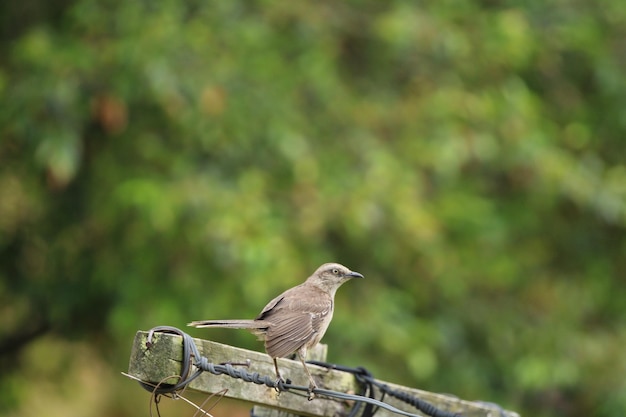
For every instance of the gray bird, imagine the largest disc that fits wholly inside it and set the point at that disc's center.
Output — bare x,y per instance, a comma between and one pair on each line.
297,319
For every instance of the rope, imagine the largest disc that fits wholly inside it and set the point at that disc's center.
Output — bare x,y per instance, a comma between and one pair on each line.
191,356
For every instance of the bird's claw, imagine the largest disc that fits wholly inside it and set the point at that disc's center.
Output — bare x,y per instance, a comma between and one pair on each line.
279,385
312,387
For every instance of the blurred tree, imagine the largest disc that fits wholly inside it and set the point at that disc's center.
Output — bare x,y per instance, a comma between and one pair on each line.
176,161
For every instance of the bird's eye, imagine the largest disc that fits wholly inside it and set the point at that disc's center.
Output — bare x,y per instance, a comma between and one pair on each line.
335,271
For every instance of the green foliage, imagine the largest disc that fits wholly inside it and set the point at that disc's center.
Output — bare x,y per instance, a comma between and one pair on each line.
188,160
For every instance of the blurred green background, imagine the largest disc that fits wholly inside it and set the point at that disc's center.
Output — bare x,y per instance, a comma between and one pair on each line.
170,161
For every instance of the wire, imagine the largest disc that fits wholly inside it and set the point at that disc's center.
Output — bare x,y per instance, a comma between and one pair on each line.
364,376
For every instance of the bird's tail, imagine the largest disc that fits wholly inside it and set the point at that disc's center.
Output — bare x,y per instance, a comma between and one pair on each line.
230,324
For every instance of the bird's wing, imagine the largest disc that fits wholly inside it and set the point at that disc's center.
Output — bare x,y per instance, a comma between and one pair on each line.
296,321
267,310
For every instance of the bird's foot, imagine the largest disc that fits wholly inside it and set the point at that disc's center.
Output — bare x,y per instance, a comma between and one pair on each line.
279,384
312,387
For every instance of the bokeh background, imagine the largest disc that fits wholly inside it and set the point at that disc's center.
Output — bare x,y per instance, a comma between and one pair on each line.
177,160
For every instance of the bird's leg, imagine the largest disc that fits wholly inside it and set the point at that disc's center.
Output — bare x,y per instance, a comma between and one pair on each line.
312,384
280,379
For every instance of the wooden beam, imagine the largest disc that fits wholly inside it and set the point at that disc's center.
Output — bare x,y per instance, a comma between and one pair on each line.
163,359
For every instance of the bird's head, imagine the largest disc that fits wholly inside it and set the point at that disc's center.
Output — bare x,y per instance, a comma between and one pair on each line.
330,276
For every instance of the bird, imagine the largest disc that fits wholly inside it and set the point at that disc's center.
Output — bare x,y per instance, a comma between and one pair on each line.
297,319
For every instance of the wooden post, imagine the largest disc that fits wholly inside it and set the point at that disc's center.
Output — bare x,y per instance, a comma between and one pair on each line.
164,357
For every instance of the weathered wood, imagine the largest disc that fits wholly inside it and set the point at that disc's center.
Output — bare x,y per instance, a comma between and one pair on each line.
164,357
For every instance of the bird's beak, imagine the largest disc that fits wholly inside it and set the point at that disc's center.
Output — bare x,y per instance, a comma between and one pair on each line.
354,275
